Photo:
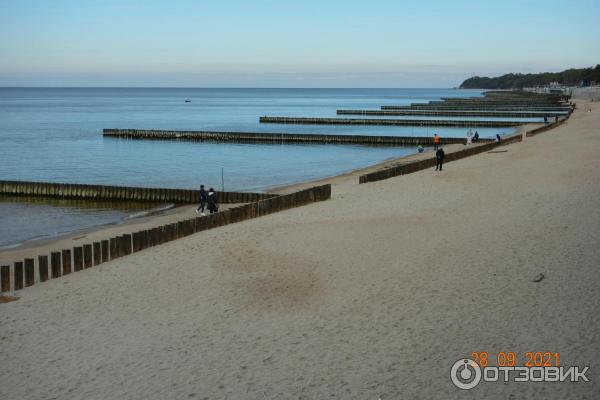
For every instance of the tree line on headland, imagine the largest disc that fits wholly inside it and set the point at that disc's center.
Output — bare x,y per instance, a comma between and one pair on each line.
569,77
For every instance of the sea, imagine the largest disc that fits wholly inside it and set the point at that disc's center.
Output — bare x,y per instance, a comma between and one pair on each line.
55,135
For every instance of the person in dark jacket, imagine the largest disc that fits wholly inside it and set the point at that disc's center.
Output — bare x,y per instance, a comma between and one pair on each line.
439,159
202,199
476,137
212,201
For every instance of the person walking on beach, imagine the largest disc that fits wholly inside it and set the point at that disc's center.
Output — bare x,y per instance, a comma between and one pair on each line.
439,159
212,201
436,141
202,199
476,137
469,136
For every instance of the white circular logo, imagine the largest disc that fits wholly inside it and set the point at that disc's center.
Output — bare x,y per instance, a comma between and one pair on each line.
465,374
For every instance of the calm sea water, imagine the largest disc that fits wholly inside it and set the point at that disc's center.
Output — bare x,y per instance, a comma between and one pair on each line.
54,134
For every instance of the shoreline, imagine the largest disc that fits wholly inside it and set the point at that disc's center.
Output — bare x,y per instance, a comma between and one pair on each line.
375,293
32,247
47,239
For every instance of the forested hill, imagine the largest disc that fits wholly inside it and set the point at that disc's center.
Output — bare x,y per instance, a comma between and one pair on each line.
571,76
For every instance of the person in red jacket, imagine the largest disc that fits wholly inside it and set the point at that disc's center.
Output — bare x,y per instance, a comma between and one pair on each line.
436,141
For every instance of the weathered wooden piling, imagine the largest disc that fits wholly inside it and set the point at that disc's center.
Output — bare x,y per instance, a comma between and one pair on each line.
55,264
5,278
87,256
66,263
77,258
104,250
29,272
126,244
113,248
43,268
97,253
135,238
18,275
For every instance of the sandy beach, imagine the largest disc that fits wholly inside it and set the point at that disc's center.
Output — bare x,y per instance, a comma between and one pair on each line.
371,295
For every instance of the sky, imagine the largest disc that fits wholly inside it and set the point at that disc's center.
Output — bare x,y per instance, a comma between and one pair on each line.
290,43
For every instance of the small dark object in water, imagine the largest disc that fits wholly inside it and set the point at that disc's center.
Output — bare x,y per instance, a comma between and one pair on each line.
538,277
188,101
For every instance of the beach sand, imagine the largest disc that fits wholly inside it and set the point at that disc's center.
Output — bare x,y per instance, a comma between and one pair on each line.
373,294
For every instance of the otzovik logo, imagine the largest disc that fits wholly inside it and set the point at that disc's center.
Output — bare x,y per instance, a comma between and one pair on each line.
466,374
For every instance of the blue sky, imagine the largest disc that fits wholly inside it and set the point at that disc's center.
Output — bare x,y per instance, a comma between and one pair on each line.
289,43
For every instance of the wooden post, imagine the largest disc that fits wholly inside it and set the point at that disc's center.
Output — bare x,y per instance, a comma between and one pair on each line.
143,239
18,275
77,258
113,248
97,253
43,268
104,250
87,255
127,244
136,242
29,272
55,264
66,262
5,278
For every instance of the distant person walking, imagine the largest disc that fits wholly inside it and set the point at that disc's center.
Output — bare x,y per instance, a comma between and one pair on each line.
469,136
212,201
202,200
439,159
476,137
498,138
436,141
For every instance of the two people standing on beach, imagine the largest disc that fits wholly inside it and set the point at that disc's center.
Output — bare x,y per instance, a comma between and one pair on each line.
204,198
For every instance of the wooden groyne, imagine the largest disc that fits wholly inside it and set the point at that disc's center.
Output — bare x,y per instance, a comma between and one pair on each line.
80,258
452,113
419,106
248,137
119,193
493,103
390,122
408,167
414,166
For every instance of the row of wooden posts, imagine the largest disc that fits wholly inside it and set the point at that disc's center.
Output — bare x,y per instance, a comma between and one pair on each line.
103,192
455,113
250,137
386,121
455,107
66,261
414,166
